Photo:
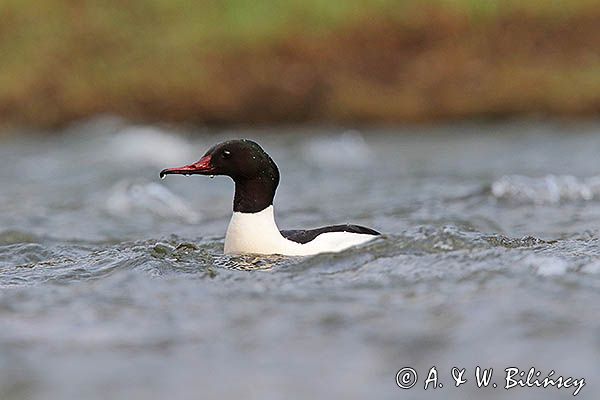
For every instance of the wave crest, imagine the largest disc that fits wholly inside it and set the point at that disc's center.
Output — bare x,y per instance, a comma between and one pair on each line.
551,189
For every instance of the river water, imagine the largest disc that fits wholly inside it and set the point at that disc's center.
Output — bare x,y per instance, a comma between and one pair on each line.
113,283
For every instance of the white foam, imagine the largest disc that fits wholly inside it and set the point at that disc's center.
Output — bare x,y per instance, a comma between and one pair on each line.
547,266
151,146
551,189
127,197
348,150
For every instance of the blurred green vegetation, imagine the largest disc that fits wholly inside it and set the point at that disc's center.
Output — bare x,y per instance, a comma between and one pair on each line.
242,61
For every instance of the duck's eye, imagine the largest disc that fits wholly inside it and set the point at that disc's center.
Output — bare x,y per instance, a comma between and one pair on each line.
226,154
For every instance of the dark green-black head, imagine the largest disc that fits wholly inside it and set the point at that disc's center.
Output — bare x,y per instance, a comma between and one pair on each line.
254,172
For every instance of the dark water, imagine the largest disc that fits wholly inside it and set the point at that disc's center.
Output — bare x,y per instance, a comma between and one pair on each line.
113,283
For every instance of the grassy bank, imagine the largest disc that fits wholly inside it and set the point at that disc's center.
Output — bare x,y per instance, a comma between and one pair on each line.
241,61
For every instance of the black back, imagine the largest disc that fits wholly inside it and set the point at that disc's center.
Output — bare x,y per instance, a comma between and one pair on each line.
305,236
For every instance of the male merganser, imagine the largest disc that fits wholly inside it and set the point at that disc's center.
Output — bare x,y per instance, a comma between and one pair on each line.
252,228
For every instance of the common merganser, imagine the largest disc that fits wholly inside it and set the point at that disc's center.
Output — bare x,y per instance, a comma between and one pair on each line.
252,228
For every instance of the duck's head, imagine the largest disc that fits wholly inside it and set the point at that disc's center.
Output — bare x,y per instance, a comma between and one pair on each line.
254,172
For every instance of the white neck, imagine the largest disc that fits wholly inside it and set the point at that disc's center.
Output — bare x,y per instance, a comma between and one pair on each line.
254,233
258,233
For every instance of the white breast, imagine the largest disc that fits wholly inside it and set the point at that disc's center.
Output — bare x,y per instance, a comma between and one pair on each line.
257,233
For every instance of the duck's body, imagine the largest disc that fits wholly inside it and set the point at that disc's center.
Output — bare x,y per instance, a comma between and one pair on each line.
258,233
252,228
